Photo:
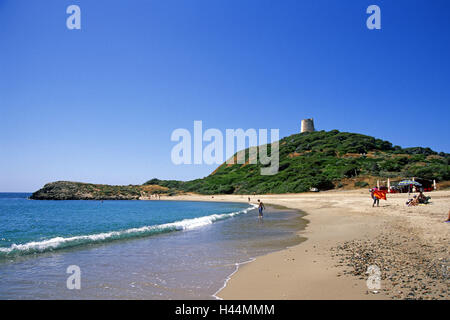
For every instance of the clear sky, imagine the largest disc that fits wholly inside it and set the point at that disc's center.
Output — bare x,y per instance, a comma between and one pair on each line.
99,104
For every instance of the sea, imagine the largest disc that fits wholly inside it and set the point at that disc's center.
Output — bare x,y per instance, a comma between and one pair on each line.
154,249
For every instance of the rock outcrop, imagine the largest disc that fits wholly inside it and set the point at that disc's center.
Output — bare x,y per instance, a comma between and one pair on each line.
66,190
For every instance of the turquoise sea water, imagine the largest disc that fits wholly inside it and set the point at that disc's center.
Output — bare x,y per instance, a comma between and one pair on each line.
38,226
131,249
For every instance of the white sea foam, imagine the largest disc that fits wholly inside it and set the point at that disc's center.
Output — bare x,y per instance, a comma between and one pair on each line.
237,265
61,242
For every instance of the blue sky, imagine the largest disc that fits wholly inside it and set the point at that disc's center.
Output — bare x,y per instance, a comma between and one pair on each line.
99,104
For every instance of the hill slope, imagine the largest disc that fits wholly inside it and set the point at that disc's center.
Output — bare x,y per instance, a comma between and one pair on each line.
323,160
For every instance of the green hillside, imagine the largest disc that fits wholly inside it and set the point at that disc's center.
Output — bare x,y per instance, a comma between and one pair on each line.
324,160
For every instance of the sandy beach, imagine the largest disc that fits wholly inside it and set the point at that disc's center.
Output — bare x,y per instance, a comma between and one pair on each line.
344,236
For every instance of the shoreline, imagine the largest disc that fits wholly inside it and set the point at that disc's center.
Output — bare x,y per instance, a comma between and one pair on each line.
238,265
318,269
178,265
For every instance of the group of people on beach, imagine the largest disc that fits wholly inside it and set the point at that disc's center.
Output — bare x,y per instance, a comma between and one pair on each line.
378,194
416,200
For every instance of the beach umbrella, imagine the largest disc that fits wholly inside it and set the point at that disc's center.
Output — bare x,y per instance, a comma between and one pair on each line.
409,182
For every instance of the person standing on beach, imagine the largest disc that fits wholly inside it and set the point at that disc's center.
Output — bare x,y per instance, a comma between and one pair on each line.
375,199
377,194
261,207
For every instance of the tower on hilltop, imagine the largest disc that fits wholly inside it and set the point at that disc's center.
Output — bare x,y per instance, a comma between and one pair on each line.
307,125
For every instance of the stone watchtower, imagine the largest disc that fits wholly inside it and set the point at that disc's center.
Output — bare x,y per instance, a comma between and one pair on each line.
307,125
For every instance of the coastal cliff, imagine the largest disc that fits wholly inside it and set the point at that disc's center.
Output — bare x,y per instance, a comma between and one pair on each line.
67,190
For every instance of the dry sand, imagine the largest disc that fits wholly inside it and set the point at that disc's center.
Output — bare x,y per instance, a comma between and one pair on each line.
344,236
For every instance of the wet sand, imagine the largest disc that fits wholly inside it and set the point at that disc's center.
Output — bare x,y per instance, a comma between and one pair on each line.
344,236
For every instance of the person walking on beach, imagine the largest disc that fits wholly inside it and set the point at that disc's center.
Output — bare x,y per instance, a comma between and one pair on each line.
448,219
261,207
376,200
377,194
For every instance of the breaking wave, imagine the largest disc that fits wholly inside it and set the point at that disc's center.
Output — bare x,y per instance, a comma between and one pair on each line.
62,242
